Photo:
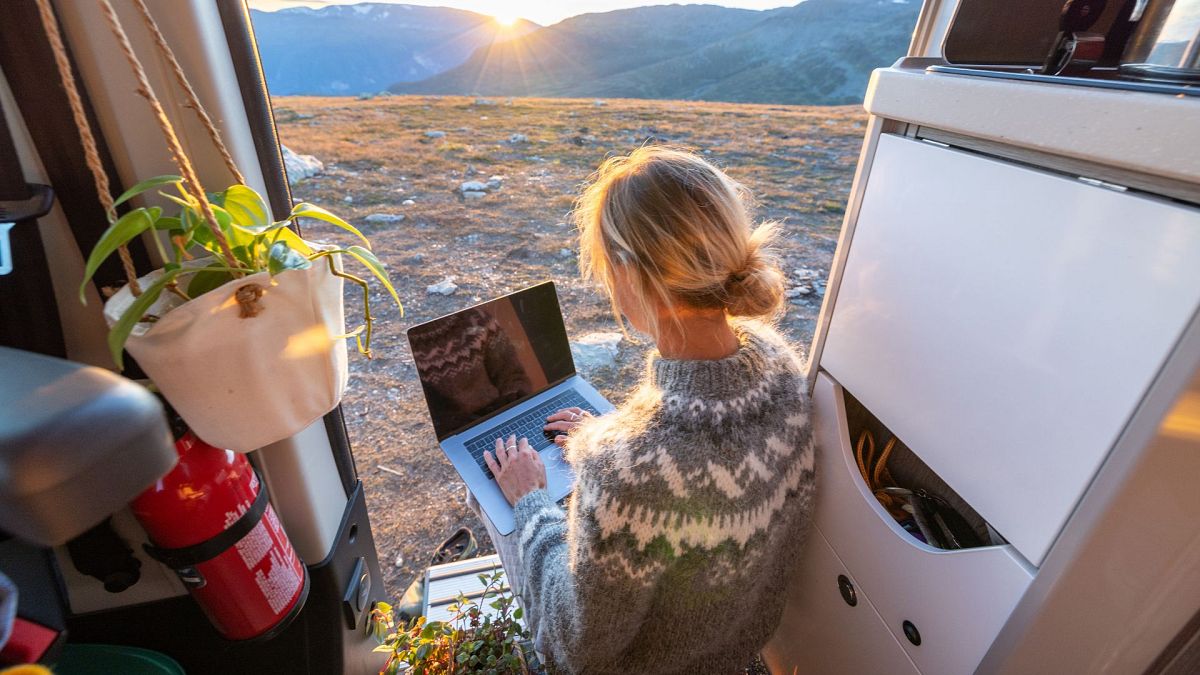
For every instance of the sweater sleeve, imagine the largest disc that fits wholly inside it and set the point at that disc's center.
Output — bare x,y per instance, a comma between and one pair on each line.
581,614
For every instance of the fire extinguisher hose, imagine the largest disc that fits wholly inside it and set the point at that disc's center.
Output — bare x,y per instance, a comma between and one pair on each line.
187,556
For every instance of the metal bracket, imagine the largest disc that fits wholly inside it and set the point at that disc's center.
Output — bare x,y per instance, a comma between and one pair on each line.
13,212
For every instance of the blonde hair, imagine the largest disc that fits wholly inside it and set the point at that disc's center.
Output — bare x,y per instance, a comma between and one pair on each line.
680,230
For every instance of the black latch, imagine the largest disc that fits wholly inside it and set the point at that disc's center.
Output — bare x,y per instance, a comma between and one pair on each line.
15,211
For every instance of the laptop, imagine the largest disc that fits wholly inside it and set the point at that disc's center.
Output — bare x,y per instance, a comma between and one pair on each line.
498,369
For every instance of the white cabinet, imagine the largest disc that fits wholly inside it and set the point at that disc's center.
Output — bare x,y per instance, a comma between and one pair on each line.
823,635
1005,322
957,600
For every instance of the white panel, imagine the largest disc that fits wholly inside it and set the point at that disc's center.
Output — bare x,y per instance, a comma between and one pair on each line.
1004,322
958,600
821,634
1152,133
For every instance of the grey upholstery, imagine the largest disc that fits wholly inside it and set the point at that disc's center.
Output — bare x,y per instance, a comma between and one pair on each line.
77,443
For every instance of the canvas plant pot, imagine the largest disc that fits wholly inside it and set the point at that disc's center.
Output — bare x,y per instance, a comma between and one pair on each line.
242,383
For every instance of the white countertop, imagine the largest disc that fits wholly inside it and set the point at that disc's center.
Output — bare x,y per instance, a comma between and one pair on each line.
1156,134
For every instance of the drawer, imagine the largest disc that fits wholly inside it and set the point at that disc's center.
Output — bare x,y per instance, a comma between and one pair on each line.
1006,322
958,600
821,634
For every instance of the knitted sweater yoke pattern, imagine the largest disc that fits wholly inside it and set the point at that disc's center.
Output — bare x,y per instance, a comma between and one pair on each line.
692,503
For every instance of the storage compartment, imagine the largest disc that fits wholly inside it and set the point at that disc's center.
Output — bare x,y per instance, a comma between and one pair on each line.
1005,322
915,496
956,600
821,632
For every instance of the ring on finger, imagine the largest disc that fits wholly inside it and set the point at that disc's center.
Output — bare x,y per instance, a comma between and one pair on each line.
510,448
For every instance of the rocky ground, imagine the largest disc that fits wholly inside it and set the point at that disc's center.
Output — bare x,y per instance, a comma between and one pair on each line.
467,199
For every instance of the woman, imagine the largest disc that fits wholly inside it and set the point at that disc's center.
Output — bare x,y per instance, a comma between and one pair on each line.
694,497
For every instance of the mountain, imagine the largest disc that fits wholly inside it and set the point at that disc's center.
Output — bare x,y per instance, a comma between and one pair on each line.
817,52
364,48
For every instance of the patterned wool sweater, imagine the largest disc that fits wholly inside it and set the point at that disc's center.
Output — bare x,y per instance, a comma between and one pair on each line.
692,503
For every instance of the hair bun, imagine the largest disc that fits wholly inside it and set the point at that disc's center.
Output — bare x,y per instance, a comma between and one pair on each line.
756,289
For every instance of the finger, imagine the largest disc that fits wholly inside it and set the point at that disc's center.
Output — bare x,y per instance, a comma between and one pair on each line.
565,414
523,446
491,463
509,451
499,447
559,426
560,440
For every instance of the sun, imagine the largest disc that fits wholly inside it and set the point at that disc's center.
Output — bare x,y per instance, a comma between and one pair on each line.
507,20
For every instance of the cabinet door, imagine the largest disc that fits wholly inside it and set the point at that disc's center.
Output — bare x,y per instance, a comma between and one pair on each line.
1005,322
821,633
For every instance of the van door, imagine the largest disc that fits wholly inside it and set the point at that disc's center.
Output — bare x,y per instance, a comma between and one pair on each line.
311,477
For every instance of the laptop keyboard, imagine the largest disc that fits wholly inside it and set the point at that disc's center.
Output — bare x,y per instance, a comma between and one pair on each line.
527,425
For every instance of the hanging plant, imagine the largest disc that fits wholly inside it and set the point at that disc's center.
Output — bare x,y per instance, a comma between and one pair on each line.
243,327
199,264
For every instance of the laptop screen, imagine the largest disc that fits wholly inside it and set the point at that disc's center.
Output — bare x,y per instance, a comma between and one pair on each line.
489,357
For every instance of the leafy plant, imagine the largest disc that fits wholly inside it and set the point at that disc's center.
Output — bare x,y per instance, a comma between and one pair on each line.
472,641
256,243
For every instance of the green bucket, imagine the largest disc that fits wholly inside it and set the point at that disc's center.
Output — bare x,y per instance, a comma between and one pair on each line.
83,659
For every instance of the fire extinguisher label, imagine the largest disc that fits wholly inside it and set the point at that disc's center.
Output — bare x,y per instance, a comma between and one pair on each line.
279,583
191,577
255,545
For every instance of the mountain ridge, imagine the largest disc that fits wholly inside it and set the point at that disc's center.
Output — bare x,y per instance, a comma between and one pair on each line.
816,52
367,47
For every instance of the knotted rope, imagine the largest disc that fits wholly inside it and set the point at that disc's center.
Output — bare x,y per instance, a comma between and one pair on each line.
191,182
193,101
90,152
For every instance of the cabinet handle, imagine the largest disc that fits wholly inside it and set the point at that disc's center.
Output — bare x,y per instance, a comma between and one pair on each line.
847,590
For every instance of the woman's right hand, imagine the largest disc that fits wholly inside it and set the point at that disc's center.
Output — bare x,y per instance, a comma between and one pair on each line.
565,420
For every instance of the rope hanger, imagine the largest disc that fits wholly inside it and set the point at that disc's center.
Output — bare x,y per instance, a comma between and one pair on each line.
191,182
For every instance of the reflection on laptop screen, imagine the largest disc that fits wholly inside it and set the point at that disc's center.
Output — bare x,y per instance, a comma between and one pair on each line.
486,358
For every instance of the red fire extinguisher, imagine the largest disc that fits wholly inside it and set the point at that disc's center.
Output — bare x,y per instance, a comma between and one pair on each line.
210,520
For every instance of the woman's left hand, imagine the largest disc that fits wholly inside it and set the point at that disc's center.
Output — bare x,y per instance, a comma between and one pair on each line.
517,467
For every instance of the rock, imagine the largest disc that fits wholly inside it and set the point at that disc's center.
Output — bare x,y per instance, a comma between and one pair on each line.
495,182
472,186
518,138
596,351
435,134
599,103
470,170
799,291
473,194
484,101
444,287
384,218
804,273
407,202
300,167
348,199
565,253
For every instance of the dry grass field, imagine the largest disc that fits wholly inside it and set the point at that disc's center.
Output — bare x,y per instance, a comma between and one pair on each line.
378,155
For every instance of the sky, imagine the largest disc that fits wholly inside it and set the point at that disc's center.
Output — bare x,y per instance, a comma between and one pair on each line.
544,12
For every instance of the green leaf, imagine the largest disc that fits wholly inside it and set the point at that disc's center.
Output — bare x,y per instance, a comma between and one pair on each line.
247,208
144,186
281,257
119,233
306,210
517,613
120,331
169,223
423,650
372,263
207,280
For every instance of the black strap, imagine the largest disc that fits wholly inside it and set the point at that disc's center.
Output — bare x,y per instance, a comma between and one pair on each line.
179,558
